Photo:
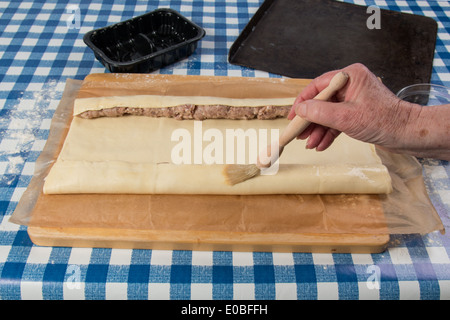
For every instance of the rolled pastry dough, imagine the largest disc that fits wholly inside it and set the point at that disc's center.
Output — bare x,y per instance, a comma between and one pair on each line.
134,155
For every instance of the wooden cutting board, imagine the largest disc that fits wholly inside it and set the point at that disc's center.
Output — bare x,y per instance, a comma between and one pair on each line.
211,241
283,223
208,223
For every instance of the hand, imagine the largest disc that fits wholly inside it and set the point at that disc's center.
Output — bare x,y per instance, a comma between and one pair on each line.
368,111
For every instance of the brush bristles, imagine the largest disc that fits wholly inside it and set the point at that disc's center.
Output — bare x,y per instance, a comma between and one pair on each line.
237,173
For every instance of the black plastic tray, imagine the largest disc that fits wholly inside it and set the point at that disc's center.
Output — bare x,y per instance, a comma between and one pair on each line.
145,43
305,38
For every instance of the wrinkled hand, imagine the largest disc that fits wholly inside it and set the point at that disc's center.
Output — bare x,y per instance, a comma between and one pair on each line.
368,111
364,109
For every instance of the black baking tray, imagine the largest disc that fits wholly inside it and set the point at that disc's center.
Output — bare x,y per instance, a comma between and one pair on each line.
145,43
305,38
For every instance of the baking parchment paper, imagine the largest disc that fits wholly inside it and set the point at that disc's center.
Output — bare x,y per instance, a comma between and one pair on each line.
407,209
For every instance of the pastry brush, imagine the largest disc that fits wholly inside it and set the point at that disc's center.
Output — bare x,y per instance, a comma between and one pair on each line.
236,173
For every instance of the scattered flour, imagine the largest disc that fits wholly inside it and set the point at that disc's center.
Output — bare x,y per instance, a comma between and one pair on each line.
24,120
14,162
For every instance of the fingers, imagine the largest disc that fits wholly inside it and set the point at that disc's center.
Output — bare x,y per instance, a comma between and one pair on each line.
292,113
326,141
315,86
319,137
328,118
312,89
307,132
325,113
325,118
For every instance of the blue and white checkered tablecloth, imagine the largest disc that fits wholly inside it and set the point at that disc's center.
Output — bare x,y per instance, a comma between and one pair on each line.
39,51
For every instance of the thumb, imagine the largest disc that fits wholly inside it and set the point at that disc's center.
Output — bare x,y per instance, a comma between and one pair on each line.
321,112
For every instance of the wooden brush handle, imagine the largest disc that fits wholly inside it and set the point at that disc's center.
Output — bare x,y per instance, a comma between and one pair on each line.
298,124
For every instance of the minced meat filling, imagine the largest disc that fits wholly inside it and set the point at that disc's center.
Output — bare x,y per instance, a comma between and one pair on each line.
194,112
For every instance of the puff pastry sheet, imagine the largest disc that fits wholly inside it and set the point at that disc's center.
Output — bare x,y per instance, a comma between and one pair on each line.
133,155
